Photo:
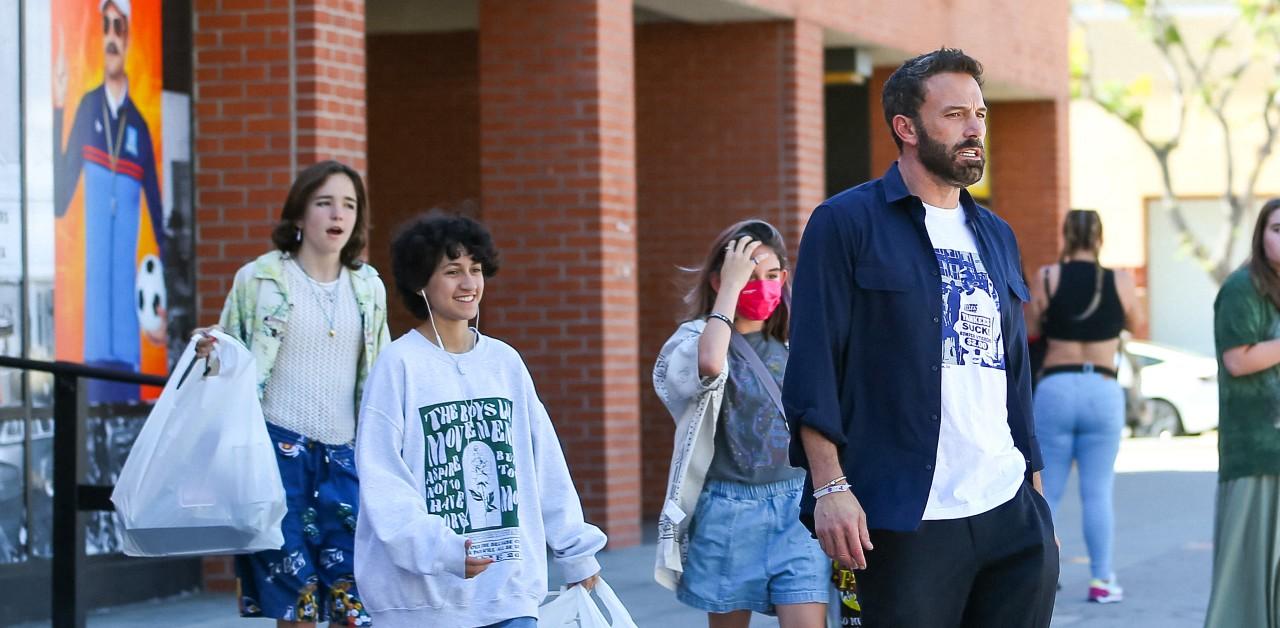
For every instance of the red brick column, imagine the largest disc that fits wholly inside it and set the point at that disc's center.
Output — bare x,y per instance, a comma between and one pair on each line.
804,139
268,99
729,127
884,151
1029,170
557,172
330,94
275,90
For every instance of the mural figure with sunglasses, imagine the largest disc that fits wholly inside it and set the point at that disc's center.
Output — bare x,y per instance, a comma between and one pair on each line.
111,145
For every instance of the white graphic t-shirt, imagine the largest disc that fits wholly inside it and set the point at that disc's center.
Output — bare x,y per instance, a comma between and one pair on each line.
978,466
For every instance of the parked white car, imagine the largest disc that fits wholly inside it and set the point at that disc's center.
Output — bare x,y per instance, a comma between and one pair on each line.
1177,391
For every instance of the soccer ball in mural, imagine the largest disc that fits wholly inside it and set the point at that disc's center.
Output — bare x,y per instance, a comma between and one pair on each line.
151,294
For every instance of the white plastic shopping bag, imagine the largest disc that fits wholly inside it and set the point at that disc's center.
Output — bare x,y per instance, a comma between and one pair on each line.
574,607
202,476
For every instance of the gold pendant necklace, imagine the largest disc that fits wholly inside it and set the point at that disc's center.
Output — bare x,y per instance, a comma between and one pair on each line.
331,313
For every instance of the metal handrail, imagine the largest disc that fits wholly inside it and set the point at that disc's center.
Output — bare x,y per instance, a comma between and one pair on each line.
77,369
71,498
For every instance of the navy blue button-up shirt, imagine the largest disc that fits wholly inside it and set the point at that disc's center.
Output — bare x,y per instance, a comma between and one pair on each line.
866,345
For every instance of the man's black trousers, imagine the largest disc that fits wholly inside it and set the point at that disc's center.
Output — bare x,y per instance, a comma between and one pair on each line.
998,569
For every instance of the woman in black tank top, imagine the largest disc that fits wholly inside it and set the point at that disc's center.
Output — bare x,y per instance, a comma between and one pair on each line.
1081,307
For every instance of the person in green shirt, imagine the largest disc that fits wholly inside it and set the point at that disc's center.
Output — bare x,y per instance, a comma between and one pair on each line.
1246,553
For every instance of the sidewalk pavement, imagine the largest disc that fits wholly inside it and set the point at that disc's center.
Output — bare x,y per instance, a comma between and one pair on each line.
629,571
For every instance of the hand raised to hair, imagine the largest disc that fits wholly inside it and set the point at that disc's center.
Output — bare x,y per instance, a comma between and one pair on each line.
738,264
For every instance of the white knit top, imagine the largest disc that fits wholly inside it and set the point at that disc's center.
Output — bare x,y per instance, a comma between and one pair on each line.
313,384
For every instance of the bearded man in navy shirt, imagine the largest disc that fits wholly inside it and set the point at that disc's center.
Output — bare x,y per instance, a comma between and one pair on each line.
908,390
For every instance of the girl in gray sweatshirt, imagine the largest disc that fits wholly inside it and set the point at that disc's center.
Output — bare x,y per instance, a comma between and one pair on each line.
463,481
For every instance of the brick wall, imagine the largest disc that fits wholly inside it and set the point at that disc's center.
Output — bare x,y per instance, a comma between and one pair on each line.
557,159
1032,54
729,126
1029,174
884,151
331,81
803,143
251,128
424,136
246,126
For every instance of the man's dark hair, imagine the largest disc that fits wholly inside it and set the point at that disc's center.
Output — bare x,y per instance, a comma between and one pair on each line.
285,234
422,244
904,91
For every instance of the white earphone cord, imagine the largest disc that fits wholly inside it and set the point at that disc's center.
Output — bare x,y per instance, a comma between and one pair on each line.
431,317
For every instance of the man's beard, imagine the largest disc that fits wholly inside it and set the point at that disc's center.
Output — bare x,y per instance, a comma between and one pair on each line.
943,163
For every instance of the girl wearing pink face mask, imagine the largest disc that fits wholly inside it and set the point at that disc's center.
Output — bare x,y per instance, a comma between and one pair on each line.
730,539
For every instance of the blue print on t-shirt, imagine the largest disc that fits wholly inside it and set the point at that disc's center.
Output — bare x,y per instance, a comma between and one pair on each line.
971,334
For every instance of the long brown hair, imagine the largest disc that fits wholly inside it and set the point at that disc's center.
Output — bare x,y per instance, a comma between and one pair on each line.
285,235
702,297
1082,231
1261,269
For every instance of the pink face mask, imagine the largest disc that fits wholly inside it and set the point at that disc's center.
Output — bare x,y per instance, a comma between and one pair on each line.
759,298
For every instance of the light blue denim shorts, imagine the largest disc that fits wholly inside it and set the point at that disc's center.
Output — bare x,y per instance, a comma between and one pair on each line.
749,551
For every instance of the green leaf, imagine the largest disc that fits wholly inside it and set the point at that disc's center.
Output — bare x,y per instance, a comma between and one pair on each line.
1135,7
1125,100
1249,9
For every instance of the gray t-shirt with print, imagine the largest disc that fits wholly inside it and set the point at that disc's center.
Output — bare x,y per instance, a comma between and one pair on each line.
752,439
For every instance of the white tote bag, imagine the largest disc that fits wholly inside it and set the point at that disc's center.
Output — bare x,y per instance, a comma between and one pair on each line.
574,607
202,476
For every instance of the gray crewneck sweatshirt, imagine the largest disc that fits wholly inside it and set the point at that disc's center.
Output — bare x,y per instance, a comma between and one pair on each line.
457,447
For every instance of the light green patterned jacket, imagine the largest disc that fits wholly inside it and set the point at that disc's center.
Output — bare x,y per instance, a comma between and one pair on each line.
257,313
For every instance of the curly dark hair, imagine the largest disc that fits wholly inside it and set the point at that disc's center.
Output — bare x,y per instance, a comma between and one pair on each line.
904,91
423,243
285,235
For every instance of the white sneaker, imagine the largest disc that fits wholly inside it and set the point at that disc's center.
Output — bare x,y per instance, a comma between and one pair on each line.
1105,591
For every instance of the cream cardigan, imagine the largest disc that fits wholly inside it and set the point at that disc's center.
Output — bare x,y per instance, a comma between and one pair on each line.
694,403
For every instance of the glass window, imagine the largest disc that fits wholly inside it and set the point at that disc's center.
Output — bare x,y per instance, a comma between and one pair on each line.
12,399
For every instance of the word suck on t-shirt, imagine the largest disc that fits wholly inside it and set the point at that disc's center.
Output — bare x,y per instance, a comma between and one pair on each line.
970,307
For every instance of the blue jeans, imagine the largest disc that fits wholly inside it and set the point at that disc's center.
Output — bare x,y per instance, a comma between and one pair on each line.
1079,417
519,622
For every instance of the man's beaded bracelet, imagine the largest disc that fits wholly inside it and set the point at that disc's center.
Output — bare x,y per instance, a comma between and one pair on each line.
827,490
834,482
